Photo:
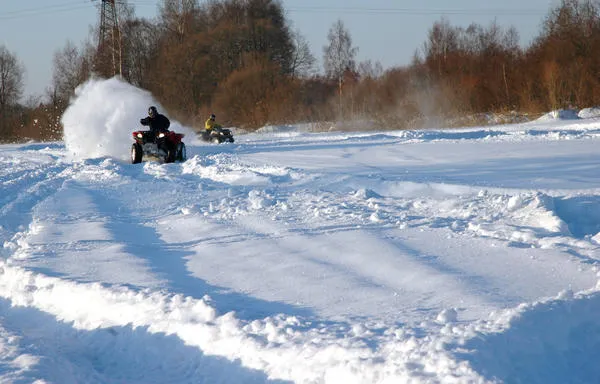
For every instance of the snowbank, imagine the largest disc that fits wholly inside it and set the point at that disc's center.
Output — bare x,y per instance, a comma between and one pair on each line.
589,113
554,341
561,114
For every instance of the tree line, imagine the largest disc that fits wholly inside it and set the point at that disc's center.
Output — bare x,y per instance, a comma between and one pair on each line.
241,60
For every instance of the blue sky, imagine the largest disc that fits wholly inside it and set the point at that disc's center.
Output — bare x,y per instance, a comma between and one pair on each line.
384,30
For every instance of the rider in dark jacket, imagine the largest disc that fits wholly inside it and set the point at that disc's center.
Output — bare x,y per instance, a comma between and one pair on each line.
155,121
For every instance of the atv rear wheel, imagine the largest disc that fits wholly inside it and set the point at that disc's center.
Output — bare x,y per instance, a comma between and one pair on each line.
181,154
136,153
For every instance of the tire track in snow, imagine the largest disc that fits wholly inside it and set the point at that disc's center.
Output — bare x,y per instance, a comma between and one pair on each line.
144,238
83,351
17,213
113,227
392,279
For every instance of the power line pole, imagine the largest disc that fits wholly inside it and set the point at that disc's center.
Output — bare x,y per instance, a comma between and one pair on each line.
109,37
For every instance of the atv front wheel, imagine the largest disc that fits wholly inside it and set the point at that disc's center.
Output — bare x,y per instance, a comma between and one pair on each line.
171,154
136,153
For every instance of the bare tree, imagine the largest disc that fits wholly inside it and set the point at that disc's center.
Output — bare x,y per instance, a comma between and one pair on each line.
303,60
441,41
11,90
140,39
177,16
338,56
71,68
11,79
368,69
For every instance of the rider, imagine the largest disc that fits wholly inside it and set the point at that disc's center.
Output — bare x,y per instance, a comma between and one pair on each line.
211,124
156,121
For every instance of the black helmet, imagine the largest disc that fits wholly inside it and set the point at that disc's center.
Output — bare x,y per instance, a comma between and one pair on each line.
212,116
152,111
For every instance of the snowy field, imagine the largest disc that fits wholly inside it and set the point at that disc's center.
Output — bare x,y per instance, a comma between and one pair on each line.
434,256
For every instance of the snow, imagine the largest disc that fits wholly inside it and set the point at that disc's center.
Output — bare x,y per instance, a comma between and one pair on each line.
431,256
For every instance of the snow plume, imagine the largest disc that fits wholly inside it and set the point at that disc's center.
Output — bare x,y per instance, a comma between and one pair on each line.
102,115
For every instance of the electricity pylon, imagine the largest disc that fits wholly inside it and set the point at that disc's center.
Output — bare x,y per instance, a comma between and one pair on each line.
109,39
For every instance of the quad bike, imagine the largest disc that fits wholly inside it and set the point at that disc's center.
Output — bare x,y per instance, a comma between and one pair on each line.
166,146
217,135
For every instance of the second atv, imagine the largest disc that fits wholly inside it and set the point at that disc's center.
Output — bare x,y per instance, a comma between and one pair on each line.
217,135
166,146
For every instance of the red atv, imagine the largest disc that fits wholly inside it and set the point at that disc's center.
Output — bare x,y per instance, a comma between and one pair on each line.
165,146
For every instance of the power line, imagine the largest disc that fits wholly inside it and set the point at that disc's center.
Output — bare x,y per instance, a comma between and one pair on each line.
45,10
419,11
72,6
60,8
395,10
